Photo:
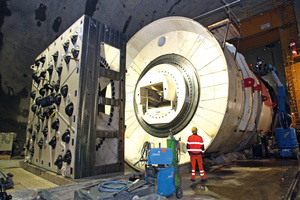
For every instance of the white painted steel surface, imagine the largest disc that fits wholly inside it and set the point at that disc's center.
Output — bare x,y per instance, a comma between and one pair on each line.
46,156
226,113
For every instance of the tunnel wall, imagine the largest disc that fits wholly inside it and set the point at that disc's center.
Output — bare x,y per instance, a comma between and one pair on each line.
28,27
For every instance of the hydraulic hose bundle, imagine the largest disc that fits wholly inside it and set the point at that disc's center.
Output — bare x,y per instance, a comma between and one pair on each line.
144,153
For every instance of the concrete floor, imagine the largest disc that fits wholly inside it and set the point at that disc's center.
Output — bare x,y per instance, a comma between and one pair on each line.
243,179
248,179
22,178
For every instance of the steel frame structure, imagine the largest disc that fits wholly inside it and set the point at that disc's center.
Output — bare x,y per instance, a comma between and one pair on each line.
76,121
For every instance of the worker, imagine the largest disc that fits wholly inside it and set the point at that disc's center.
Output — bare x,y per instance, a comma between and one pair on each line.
293,47
195,147
259,63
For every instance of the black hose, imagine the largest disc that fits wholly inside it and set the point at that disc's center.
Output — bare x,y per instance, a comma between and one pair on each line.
293,190
144,153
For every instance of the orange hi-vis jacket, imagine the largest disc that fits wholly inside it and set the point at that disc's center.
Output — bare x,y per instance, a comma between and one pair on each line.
195,145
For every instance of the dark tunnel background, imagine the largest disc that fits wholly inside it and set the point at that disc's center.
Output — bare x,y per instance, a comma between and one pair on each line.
28,27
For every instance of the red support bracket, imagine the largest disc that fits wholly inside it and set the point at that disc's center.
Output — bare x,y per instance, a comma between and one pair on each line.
264,98
258,88
268,131
248,82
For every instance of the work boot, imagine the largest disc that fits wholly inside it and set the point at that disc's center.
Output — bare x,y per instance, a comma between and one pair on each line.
203,180
193,180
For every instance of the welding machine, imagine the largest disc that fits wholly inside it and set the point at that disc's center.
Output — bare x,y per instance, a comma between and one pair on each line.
160,171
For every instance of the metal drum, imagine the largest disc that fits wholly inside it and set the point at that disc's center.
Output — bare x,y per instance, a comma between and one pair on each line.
179,76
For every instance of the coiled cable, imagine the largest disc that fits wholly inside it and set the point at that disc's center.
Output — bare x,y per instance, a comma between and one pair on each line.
113,186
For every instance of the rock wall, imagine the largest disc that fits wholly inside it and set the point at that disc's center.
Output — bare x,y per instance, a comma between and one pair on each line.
28,27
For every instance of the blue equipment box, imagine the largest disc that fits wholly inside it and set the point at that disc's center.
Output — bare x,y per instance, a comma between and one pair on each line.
165,181
286,153
160,156
162,178
162,175
286,138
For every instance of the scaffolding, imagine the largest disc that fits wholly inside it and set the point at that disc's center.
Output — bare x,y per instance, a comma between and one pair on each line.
292,71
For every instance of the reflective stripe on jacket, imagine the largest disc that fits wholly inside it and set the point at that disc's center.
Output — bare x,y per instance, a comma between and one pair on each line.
195,145
292,44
